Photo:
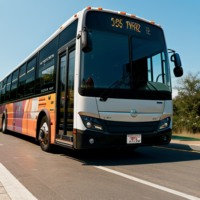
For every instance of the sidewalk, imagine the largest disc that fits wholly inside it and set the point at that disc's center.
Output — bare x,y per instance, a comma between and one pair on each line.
185,140
186,143
3,194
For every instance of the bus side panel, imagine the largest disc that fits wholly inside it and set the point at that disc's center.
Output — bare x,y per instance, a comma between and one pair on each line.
32,116
21,117
10,125
25,117
14,116
53,127
51,105
48,102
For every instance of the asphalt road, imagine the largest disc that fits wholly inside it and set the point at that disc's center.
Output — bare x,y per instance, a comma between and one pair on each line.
68,174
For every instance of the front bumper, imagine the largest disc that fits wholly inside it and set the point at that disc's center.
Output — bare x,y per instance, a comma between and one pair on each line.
112,140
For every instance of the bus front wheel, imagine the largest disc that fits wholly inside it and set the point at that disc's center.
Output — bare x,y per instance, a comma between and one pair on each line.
44,136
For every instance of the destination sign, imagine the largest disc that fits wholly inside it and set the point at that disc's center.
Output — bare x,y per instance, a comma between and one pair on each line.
113,23
118,23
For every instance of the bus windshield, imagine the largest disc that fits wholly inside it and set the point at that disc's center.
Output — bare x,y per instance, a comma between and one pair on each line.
122,45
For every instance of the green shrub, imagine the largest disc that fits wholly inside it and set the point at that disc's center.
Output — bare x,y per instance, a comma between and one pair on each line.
186,106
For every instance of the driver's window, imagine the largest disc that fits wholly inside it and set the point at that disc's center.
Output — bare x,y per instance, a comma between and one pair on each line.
149,68
157,68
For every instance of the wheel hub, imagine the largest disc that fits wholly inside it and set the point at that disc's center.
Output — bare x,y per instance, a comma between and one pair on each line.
43,135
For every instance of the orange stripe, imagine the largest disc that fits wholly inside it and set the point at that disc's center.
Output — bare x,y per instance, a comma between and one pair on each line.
42,99
40,104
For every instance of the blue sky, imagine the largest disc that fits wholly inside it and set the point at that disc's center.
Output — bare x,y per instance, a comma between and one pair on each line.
25,24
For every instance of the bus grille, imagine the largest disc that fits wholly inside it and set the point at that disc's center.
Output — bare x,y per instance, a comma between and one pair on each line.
131,127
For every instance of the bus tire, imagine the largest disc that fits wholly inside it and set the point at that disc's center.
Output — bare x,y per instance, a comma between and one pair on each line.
44,136
4,125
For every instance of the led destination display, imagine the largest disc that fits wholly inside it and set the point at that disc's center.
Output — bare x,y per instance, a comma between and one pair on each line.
125,25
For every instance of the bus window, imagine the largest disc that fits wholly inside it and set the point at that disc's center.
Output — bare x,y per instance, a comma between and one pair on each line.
157,69
8,88
68,34
13,94
30,78
21,84
46,71
3,91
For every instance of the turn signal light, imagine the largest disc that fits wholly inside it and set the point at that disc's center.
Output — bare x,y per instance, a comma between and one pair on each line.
132,15
152,22
75,15
123,13
99,8
88,7
74,131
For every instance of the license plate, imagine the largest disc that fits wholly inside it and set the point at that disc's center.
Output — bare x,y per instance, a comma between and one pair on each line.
134,139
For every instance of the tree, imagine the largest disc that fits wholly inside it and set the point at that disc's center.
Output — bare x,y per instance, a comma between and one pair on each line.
187,104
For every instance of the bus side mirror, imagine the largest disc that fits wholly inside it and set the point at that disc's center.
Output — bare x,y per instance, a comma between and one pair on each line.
86,40
178,70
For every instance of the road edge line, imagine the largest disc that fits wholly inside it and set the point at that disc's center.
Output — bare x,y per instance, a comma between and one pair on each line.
181,194
13,187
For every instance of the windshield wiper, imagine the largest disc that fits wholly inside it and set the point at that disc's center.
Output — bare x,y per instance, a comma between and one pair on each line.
117,85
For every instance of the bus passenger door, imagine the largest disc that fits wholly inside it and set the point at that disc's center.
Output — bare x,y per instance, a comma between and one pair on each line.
65,96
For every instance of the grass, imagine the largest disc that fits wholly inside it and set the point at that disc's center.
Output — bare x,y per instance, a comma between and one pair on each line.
178,137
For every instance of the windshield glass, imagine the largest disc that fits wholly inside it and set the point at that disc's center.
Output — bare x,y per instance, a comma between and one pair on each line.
122,45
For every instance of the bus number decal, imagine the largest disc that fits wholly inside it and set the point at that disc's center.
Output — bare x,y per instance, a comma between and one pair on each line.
117,22
133,26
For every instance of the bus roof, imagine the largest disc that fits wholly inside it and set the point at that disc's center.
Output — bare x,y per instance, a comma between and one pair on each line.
67,23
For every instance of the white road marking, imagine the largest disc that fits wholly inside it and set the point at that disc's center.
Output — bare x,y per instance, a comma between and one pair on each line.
149,183
13,187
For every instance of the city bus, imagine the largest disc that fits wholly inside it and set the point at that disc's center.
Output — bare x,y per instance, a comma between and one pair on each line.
102,80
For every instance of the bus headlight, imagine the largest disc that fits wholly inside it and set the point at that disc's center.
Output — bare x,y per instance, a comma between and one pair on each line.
89,124
164,124
92,123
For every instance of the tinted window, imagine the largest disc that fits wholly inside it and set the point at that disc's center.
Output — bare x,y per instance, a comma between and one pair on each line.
101,73
149,63
47,68
22,81
30,78
31,66
22,71
13,94
26,84
68,34
8,88
3,91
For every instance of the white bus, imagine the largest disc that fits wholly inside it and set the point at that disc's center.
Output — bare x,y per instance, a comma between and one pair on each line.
102,80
